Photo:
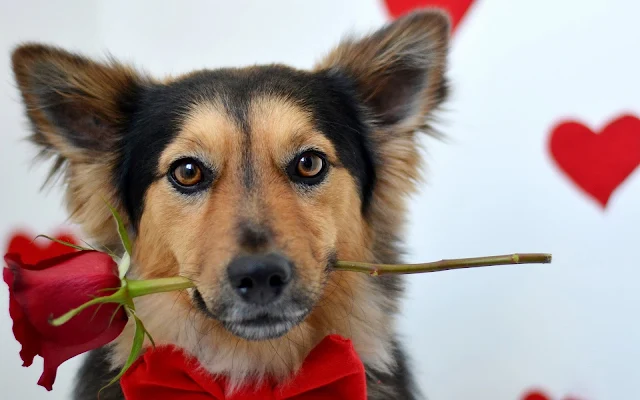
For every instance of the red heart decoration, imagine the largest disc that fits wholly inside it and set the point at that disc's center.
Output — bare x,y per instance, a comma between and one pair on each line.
597,162
456,8
538,395
31,251
535,395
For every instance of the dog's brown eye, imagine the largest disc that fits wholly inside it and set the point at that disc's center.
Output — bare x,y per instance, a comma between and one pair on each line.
189,176
187,173
308,168
309,165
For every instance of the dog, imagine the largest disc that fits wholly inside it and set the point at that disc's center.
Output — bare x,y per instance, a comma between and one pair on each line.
252,182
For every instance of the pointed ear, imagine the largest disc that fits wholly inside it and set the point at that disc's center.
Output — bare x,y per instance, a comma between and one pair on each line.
399,69
78,110
76,106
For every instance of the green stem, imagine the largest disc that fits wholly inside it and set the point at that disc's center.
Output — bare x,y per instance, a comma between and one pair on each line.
443,265
117,297
139,288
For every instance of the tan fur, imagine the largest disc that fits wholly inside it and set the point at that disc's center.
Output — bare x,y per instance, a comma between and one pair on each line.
177,237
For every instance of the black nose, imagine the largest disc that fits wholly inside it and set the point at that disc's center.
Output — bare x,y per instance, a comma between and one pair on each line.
259,279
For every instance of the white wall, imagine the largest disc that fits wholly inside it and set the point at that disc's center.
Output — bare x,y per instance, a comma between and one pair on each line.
517,68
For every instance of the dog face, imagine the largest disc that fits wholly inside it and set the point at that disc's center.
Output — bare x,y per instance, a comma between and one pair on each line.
251,182
259,181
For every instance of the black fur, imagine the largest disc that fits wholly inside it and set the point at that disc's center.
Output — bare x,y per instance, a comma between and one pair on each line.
157,118
397,385
94,374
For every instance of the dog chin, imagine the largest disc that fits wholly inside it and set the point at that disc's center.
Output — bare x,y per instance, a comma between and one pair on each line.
264,328
255,323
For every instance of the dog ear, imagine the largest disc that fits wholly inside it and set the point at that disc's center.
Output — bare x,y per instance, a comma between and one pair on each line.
78,109
76,106
398,70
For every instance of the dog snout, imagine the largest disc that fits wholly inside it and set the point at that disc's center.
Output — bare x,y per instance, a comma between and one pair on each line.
260,279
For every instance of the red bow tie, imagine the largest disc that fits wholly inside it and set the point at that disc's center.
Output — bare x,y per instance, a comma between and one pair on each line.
331,371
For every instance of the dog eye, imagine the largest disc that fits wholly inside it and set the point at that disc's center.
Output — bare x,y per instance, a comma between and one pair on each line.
309,165
309,168
187,175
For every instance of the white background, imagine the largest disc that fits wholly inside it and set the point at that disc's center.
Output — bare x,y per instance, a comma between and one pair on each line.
517,68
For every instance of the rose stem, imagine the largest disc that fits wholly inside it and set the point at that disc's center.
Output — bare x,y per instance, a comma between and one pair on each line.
139,288
443,265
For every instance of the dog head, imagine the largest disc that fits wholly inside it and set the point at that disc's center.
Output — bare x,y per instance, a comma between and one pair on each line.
252,181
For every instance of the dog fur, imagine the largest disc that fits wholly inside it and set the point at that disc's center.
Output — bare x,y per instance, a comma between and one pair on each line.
115,134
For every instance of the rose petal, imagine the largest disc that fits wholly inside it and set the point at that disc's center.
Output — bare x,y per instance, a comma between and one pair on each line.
54,354
23,331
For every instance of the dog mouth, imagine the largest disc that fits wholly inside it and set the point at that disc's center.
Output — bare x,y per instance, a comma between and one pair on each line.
263,326
255,323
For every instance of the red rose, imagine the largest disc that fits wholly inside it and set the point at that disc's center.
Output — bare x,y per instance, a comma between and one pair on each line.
32,251
38,293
